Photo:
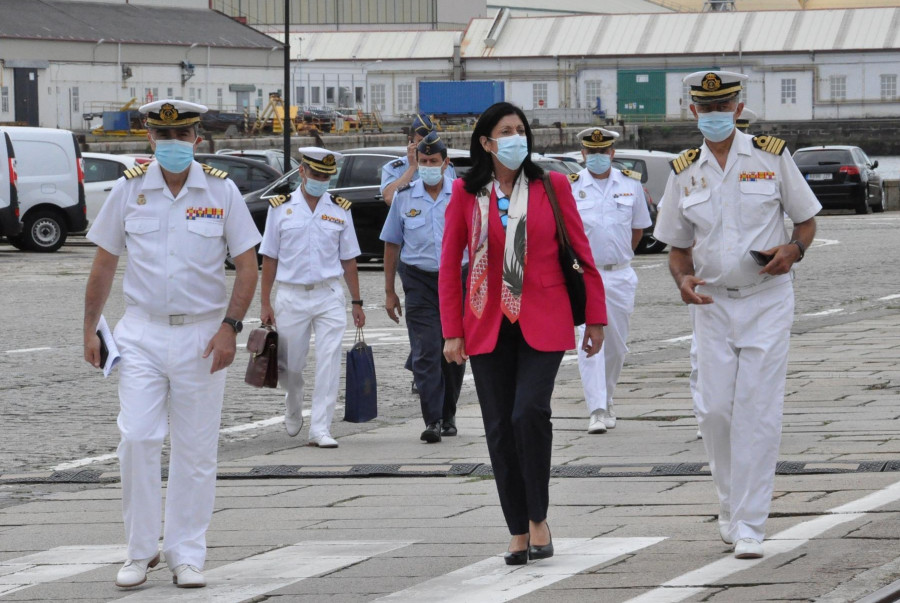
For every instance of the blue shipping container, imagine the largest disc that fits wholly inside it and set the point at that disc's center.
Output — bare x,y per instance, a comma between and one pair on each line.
469,97
116,120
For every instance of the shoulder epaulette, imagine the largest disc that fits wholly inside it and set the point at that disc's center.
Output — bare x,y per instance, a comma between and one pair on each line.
136,172
397,163
405,187
214,171
341,202
680,163
769,144
277,200
632,174
574,177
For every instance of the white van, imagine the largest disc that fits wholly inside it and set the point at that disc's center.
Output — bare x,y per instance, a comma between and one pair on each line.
50,186
9,198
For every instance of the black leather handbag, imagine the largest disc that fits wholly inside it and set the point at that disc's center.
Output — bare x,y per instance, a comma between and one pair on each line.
572,271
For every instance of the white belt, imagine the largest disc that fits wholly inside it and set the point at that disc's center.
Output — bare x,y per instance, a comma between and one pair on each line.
612,267
173,319
326,283
747,290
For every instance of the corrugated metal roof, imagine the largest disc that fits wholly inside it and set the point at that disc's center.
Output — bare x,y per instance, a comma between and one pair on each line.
545,7
688,33
371,45
129,23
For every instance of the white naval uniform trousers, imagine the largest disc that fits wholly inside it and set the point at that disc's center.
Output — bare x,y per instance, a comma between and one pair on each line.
300,312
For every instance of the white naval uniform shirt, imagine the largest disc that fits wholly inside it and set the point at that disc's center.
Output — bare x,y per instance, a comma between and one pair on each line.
610,208
726,213
176,245
309,245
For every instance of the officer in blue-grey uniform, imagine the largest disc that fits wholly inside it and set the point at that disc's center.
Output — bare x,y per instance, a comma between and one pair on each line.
308,245
412,236
400,172
723,214
177,219
614,211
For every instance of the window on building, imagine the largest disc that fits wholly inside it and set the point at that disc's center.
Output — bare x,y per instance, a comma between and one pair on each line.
316,95
192,95
75,100
376,96
539,95
838,87
789,91
591,92
405,97
358,94
169,93
219,98
329,95
889,86
300,95
4,99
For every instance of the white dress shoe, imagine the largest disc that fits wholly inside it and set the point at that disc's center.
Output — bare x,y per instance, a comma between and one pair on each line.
724,522
699,435
597,425
748,548
134,572
293,424
188,576
609,417
323,441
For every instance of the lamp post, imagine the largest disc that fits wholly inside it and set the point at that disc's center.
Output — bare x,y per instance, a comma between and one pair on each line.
94,51
286,129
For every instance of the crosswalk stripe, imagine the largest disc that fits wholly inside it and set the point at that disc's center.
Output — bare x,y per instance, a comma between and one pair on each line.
55,564
490,581
260,574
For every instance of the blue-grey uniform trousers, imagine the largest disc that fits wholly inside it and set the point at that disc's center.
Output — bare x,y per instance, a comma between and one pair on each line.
437,380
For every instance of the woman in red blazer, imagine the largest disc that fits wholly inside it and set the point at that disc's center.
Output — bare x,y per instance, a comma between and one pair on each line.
513,320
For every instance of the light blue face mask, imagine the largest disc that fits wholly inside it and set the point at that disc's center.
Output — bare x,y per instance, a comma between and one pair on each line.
174,155
430,174
598,163
315,188
716,126
511,150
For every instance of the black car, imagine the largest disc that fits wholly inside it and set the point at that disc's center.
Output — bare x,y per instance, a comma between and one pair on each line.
842,177
248,174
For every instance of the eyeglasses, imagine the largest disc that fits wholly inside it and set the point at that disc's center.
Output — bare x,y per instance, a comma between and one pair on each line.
503,206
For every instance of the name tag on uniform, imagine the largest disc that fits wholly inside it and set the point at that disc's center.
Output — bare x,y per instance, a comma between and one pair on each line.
215,213
328,218
754,176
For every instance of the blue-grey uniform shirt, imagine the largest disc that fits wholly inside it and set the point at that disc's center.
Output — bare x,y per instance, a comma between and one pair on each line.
416,223
394,168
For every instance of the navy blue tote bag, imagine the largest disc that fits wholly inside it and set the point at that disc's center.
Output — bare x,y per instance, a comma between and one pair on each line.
361,401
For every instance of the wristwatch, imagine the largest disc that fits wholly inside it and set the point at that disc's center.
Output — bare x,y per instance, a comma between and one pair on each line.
356,302
800,247
237,325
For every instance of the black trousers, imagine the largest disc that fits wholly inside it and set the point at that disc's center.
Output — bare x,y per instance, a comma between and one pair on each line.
438,381
514,385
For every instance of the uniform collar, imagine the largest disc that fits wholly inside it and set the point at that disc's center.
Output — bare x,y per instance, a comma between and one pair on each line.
741,145
153,179
418,188
591,181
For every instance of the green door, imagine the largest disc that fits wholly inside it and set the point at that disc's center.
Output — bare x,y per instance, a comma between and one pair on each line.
642,93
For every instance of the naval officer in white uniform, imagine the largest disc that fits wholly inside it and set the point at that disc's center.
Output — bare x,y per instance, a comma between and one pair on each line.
177,219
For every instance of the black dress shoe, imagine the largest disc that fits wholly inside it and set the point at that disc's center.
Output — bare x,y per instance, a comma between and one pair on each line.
516,557
432,433
543,551
448,427
414,389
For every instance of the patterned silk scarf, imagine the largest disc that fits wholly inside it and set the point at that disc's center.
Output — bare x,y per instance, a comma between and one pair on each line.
514,254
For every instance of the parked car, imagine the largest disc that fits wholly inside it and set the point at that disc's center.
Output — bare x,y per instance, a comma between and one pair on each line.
271,157
101,170
50,183
248,174
9,196
842,177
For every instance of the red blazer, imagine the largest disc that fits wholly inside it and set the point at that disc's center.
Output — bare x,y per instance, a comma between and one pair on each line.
545,315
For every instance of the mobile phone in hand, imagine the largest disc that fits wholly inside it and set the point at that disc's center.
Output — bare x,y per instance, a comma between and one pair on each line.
104,351
761,258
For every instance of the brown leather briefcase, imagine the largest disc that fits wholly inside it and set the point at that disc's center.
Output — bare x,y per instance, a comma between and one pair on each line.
262,371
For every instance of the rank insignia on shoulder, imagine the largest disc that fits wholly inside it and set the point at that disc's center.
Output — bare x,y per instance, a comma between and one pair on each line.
632,174
769,144
681,163
136,172
405,187
341,202
396,164
216,172
277,200
574,177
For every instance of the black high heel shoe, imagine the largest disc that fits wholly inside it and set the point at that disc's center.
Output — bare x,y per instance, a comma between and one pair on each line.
516,557
543,551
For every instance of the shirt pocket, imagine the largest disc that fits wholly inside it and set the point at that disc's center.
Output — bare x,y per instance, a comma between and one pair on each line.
760,201
142,235
624,210
698,209
206,237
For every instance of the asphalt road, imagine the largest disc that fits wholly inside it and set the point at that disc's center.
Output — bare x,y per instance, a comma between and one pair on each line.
57,411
